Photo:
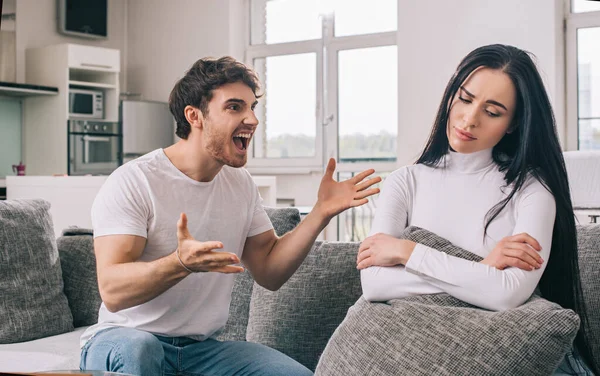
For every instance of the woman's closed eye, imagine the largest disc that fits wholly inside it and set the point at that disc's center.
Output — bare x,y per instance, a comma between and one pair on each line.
490,113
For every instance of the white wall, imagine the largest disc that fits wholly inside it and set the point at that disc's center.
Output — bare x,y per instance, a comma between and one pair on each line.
433,36
166,37
36,26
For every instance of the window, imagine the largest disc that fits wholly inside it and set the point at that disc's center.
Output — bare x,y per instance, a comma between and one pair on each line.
354,224
329,73
583,76
579,6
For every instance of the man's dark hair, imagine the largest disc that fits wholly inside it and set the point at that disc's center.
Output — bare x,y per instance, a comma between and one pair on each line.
196,87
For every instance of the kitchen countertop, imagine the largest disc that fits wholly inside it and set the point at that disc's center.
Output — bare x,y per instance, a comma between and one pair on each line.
2,183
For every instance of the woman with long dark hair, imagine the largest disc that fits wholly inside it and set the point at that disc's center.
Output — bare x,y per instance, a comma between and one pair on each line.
491,180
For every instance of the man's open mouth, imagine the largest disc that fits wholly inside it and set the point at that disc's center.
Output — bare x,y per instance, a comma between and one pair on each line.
242,140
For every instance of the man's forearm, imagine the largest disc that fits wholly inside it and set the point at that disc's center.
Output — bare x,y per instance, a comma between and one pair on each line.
129,284
290,250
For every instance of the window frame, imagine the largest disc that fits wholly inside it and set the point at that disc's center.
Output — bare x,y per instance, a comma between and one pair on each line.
573,22
326,111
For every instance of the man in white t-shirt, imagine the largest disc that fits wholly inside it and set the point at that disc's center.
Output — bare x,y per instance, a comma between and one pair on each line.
172,227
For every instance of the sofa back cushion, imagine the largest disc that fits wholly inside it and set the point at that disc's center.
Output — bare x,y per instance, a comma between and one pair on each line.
33,304
78,262
588,237
284,220
76,248
299,318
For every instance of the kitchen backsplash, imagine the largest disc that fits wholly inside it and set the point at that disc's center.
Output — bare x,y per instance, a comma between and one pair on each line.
10,135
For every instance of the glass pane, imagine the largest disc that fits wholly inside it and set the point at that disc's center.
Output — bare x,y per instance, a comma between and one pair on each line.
280,21
588,71
589,134
368,104
353,17
579,6
354,224
287,112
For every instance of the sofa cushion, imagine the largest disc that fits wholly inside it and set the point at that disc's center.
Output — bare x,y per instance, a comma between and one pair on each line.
33,303
284,220
78,264
440,335
299,318
588,237
45,354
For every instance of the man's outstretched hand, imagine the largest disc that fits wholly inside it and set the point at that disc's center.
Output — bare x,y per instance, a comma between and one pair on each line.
335,197
200,256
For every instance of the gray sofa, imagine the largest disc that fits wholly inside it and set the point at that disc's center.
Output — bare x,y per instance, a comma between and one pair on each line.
298,320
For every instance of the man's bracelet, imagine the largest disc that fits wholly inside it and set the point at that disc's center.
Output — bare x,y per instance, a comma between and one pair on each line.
181,262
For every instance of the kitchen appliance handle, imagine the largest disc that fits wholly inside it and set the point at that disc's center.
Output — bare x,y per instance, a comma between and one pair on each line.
96,65
96,139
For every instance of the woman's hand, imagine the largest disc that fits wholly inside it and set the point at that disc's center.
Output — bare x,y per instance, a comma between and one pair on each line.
521,251
383,250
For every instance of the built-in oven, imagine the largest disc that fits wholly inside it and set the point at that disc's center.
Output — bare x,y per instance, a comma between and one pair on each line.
94,147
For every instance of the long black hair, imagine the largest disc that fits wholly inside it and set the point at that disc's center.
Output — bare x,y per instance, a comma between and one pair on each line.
532,148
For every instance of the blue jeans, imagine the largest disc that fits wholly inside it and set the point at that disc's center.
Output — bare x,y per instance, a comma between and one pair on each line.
137,352
573,364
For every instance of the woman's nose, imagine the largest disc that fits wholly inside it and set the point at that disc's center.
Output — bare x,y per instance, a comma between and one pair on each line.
471,117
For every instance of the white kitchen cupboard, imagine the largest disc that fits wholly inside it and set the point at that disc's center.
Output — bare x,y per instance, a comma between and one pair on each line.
45,129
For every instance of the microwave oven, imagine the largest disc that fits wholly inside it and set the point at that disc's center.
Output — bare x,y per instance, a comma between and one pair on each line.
86,104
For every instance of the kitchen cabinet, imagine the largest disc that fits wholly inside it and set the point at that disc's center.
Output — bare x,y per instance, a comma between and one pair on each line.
64,66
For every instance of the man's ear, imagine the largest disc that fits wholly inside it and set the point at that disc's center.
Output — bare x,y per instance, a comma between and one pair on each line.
194,116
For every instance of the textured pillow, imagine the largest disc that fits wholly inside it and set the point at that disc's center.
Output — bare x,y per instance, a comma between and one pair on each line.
441,335
33,304
588,237
78,263
299,318
284,220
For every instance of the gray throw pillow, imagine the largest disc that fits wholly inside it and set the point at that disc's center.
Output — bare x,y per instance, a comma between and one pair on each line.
299,318
33,304
284,220
441,335
78,263
588,237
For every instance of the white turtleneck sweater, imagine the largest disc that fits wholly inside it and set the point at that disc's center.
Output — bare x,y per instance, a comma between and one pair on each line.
452,201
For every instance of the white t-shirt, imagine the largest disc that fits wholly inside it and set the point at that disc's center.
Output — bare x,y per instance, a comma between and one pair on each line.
145,198
452,202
